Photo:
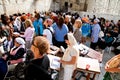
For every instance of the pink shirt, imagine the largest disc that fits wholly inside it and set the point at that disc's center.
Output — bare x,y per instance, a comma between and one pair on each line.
29,33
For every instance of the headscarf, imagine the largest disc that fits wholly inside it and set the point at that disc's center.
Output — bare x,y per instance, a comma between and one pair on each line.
96,20
70,48
20,40
22,45
71,39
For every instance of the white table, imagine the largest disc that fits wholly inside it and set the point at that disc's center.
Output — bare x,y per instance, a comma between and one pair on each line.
94,66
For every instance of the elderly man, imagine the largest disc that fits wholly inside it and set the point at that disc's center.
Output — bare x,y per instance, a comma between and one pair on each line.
95,34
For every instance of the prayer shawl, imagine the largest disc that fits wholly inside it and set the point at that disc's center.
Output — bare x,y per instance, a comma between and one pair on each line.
13,52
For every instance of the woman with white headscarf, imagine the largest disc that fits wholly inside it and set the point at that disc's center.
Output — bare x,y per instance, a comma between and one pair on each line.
14,56
70,56
16,53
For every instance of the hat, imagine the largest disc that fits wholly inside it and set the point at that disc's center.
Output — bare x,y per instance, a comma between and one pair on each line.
85,19
97,20
20,40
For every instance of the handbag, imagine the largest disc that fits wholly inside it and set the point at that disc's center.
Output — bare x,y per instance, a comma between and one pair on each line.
101,34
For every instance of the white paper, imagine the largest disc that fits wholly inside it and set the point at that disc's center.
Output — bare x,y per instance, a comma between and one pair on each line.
16,33
84,49
54,62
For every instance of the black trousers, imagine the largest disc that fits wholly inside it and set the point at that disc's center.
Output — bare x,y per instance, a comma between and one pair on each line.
93,45
58,44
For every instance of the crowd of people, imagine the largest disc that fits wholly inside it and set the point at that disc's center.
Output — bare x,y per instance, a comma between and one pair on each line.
21,32
54,26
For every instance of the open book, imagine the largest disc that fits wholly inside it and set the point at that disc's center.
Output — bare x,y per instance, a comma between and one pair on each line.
54,62
83,49
54,50
89,52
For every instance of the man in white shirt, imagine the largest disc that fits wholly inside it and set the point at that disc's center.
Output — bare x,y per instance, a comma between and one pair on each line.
49,30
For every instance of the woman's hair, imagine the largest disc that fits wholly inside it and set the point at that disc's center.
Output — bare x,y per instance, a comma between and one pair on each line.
60,22
71,38
79,22
115,29
37,15
66,37
28,23
5,19
72,20
42,44
23,18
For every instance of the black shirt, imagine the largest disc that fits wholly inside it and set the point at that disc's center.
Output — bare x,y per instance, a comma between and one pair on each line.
37,69
19,54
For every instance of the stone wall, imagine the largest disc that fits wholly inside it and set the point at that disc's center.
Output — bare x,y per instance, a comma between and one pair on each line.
98,15
104,6
110,7
77,5
14,6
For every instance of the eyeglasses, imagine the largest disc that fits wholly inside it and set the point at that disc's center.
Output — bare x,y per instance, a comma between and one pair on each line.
35,47
34,44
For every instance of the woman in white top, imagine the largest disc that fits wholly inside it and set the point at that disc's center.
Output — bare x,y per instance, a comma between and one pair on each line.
70,56
29,33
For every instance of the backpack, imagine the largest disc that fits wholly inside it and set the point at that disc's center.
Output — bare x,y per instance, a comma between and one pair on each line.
53,37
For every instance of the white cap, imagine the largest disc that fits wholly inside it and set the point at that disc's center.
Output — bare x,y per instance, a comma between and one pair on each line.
20,40
97,20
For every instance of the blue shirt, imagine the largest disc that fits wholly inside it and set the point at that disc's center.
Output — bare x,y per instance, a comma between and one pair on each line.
95,32
38,27
86,30
60,33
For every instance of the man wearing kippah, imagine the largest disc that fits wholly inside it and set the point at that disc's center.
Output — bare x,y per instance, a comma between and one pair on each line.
95,34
